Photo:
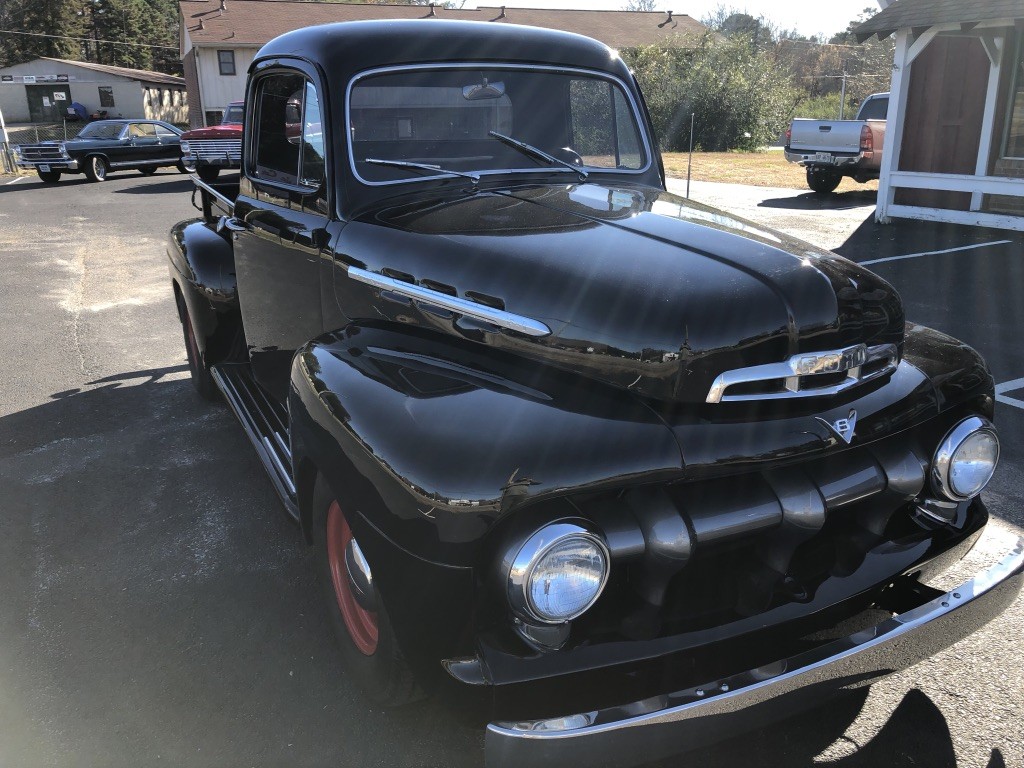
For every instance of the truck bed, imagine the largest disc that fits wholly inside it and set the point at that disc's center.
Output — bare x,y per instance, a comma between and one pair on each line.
217,198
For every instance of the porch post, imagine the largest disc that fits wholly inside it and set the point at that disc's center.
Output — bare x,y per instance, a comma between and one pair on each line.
994,48
898,91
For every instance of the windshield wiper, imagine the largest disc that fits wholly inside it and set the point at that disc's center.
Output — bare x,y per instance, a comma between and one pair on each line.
538,154
474,177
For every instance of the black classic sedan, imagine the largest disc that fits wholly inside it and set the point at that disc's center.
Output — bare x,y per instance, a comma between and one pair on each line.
104,146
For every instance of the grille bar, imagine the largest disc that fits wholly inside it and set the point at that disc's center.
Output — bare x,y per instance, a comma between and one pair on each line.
42,153
208,149
813,374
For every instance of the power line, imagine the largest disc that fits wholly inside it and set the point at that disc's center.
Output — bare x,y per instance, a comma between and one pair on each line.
88,39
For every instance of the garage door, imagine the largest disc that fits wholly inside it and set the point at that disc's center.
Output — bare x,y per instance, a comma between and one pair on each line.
48,103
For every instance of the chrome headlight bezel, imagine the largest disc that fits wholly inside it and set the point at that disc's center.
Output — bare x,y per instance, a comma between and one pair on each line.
63,151
945,456
186,148
531,553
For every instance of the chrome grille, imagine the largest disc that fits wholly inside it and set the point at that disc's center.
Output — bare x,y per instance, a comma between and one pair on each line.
41,152
216,149
812,374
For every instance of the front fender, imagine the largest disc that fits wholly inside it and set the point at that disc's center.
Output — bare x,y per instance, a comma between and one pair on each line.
202,266
437,442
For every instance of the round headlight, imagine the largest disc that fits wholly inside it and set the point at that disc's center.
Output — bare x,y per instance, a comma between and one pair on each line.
185,148
966,459
558,573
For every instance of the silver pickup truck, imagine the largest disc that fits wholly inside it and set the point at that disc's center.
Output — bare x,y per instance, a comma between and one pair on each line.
831,149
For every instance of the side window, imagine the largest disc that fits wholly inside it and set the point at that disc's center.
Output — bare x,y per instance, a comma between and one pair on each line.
163,133
289,137
106,96
312,163
142,131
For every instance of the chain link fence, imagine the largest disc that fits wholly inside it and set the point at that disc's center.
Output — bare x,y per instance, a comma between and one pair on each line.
33,134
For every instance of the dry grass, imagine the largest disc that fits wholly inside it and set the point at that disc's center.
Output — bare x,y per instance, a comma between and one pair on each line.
759,169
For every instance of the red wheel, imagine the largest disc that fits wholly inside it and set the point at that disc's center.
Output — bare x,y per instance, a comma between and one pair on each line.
197,368
358,612
360,623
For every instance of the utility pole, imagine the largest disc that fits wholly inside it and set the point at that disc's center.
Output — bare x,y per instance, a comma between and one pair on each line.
842,95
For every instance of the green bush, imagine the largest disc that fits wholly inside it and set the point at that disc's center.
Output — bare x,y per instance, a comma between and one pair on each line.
741,98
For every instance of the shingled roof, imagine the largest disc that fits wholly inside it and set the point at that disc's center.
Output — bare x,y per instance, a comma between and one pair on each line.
914,14
255,22
143,75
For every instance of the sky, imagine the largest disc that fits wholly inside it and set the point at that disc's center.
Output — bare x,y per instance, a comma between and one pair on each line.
805,16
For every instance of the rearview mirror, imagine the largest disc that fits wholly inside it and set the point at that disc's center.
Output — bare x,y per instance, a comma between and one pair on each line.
483,90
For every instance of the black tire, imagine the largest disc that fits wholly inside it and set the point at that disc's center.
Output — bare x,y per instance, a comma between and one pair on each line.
148,171
96,168
208,173
382,671
197,368
49,177
181,167
822,180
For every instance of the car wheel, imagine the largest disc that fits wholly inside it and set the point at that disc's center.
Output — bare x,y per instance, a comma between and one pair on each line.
49,177
823,181
96,168
368,645
208,173
197,368
181,167
148,171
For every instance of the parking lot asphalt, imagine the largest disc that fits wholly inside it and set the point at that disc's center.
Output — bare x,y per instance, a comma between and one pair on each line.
156,607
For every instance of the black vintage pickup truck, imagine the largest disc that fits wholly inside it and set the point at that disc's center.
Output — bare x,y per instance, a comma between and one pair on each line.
628,471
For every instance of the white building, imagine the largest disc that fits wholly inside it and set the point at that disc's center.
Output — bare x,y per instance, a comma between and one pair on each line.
954,145
42,90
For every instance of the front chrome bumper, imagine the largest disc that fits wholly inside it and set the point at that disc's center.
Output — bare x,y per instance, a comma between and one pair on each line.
665,725
55,165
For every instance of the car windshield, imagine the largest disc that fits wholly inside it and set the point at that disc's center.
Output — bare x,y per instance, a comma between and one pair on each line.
447,118
101,130
234,114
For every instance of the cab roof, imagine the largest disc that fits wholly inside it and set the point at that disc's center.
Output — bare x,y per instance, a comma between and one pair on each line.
344,49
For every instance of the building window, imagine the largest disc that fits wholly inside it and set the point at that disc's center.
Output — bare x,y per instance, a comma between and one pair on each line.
106,96
226,62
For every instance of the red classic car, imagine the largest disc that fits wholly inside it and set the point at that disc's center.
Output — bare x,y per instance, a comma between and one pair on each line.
207,150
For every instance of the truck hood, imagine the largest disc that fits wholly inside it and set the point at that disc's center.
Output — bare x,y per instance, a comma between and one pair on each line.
641,289
225,131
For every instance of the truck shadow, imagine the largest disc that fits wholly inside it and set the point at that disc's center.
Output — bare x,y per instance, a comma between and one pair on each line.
157,599
812,201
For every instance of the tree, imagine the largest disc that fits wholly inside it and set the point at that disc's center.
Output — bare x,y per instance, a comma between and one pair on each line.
57,18
740,97
641,5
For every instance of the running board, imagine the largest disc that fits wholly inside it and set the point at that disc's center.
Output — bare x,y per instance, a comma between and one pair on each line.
265,423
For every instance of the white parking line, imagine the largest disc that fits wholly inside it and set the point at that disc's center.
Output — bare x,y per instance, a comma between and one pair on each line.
14,180
936,253
1009,386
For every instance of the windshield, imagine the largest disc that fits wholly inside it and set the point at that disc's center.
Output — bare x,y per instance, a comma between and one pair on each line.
447,117
101,130
234,114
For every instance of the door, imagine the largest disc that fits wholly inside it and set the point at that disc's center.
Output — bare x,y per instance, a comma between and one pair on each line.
143,145
48,103
280,226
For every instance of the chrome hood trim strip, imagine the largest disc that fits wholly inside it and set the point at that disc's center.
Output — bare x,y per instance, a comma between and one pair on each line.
499,317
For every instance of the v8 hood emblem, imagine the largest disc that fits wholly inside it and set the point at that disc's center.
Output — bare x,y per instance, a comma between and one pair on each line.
842,428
